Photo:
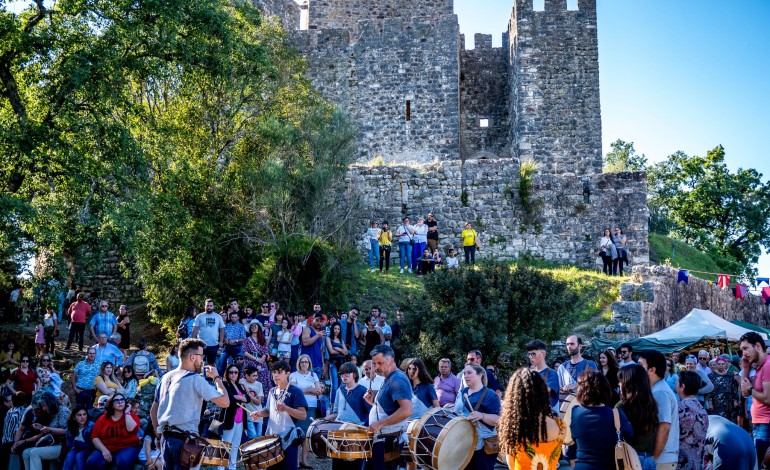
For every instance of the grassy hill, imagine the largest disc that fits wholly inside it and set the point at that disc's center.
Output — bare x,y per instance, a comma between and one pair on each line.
679,254
595,291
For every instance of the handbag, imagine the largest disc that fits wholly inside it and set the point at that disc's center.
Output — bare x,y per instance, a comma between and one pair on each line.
215,428
626,457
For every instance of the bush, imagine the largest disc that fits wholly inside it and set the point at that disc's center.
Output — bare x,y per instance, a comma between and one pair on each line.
496,308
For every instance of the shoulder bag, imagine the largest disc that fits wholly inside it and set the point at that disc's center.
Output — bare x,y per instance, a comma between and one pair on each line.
626,457
492,443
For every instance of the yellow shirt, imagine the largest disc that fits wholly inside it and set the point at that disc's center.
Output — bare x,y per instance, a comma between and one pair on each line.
385,238
469,237
108,383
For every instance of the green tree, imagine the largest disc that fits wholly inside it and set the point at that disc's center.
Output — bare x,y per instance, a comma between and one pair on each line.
494,307
623,157
720,212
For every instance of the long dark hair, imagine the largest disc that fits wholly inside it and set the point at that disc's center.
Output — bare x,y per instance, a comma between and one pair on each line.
422,371
636,398
109,407
525,409
333,336
612,363
72,425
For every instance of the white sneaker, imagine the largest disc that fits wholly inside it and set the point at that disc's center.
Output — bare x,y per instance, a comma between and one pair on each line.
410,270
402,271
372,269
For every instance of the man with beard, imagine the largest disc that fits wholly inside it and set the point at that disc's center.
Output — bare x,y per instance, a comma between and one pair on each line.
210,327
568,374
176,411
753,347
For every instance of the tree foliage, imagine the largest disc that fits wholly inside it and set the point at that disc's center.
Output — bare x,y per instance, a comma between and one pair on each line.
181,134
720,212
623,157
495,307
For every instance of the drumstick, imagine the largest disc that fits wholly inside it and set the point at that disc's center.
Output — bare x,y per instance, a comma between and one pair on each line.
470,406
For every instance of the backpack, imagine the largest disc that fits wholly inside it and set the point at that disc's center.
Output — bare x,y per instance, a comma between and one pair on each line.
141,364
182,330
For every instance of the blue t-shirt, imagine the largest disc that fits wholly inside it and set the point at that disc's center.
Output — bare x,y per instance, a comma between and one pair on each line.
314,350
593,429
396,387
552,381
426,393
492,382
490,405
294,398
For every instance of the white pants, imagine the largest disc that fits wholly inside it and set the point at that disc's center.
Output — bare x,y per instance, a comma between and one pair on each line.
34,456
233,436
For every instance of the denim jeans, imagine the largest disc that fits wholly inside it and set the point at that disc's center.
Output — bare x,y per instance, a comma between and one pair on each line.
229,352
404,254
123,459
417,250
374,254
233,436
647,461
761,435
172,450
334,376
76,459
253,429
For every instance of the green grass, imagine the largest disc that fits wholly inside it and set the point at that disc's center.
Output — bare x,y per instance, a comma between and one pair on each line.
594,290
680,254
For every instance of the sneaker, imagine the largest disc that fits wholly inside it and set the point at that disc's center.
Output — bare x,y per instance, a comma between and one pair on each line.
372,269
402,271
410,270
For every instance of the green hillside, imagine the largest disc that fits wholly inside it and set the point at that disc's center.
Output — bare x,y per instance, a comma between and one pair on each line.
679,254
595,291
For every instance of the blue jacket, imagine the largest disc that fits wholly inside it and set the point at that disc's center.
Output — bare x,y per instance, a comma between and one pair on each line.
86,444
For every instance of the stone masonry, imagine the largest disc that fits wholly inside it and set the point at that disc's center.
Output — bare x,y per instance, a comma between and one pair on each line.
653,300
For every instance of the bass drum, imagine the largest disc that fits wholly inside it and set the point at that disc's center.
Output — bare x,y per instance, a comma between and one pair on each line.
317,433
442,440
262,452
565,413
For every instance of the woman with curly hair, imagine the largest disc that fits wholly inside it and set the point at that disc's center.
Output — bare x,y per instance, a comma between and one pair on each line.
639,405
530,434
593,423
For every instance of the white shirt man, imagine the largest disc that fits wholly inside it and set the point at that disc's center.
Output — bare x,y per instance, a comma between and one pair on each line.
370,379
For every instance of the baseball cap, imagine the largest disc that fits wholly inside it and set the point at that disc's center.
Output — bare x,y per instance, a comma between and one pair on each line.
320,315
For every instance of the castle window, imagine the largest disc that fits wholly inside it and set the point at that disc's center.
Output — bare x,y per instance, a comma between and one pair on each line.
538,5
408,110
572,5
484,122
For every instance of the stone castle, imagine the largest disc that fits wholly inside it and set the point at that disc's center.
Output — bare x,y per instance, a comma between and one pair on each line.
445,129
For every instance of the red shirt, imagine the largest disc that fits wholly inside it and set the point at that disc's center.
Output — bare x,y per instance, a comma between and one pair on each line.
114,434
760,413
24,382
79,311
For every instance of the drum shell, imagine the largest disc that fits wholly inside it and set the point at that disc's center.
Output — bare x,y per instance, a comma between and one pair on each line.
316,432
442,440
350,444
263,456
565,413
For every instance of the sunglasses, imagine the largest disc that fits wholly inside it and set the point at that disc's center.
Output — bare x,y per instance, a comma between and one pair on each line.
119,400
232,371
24,360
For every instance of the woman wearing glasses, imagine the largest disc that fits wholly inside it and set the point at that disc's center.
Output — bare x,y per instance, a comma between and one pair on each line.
115,437
307,381
233,416
24,378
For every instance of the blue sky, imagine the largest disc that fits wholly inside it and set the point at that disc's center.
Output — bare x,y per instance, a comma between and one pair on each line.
675,75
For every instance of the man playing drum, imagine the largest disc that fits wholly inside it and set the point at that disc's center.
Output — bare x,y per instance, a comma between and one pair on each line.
286,405
391,406
176,411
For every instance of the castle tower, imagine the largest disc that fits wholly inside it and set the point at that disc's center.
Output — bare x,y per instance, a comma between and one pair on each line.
555,109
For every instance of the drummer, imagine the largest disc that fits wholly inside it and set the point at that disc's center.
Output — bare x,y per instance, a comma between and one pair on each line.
286,405
392,405
482,406
350,407
175,413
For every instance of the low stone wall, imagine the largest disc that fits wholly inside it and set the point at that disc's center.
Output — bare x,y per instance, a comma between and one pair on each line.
565,224
653,300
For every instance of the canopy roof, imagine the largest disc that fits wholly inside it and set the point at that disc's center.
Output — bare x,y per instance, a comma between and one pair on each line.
751,326
696,326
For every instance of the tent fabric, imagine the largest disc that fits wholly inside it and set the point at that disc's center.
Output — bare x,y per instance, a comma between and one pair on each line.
753,327
696,326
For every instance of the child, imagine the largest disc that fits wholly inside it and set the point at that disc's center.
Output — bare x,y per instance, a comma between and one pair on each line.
40,338
51,329
452,261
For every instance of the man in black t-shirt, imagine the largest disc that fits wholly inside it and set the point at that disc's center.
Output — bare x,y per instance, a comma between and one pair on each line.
432,232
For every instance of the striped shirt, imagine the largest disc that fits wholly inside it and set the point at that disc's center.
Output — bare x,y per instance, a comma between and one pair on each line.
11,425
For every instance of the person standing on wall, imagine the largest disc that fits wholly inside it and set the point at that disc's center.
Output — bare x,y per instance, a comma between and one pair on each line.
405,234
386,242
432,232
373,236
469,243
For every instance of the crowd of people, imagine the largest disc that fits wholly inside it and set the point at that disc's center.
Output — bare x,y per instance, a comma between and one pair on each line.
418,250
235,375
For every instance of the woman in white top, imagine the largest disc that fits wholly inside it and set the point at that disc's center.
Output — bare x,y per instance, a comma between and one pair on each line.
373,235
420,240
306,380
172,361
284,340
607,252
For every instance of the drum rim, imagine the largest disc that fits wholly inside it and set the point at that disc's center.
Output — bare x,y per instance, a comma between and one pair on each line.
457,418
261,438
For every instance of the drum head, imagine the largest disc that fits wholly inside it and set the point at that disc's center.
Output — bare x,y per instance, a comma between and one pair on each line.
565,413
455,445
258,444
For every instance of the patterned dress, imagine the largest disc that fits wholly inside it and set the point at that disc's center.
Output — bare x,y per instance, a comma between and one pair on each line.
252,347
693,425
542,456
724,397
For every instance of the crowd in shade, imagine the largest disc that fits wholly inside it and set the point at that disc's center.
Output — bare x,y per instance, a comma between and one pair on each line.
265,382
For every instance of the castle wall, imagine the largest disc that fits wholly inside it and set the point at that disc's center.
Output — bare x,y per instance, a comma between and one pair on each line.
555,87
566,227
325,14
484,94
654,300
385,68
286,10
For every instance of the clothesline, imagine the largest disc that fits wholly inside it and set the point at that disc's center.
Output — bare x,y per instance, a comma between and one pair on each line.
723,281
718,274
